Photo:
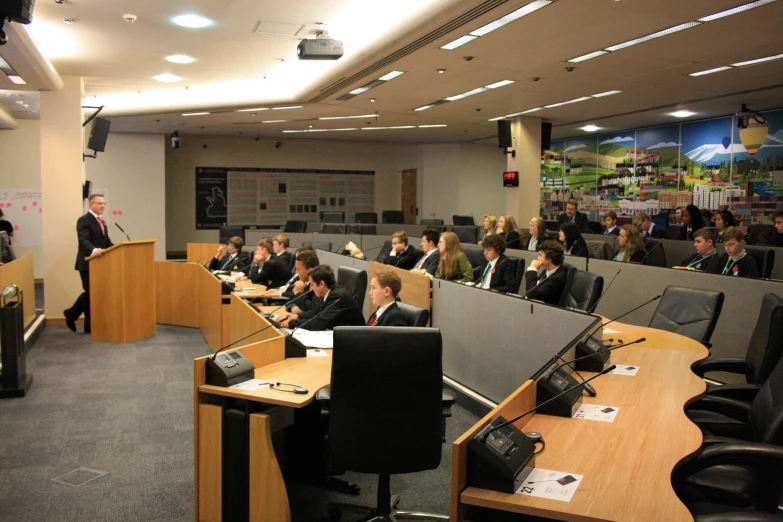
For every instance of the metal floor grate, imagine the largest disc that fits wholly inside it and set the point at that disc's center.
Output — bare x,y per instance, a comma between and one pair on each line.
80,477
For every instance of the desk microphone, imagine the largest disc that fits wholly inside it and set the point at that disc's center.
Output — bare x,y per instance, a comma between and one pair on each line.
635,309
592,310
121,230
484,436
640,340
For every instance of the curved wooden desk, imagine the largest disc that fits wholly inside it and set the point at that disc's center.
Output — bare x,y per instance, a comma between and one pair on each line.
627,464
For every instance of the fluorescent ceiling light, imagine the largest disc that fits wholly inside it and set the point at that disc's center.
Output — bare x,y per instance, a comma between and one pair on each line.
466,94
253,110
330,130
402,127
424,107
432,126
499,84
758,60
180,58
590,128
359,90
390,76
192,21
16,79
514,15
498,118
348,117
274,121
735,10
458,42
607,93
683,114
294,131
374,128
166,77
587,56
659,34
288,107
710,71
566,102
195,113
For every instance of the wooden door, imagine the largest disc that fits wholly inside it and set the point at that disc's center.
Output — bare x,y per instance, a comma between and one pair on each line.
408,192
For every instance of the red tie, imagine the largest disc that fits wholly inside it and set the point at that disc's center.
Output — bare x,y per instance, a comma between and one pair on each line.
371,322
100,222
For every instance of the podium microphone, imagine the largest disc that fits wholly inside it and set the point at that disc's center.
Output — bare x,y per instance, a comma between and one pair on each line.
121,230
592,310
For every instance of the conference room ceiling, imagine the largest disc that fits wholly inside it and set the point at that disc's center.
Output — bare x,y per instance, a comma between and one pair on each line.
116,57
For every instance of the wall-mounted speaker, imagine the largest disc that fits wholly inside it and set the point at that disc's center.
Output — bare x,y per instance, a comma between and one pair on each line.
546,135
504,134
98,135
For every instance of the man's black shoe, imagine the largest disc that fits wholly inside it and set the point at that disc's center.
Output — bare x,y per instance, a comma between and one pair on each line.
70,320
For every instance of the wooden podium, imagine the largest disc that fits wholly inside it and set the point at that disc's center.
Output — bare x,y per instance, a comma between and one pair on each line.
122,292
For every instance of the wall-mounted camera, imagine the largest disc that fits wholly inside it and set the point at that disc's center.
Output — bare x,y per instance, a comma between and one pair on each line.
20,11
175,141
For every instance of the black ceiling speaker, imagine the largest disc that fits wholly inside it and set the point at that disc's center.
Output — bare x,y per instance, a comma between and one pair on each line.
504,134
546,135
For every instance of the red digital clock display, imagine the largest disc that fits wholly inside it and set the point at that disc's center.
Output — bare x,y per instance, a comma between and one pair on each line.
511,179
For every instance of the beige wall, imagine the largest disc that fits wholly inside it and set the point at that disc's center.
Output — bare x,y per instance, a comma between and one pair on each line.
481,189
524,202
133,171
21,153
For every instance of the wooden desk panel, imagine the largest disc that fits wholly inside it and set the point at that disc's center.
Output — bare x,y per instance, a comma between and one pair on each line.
416,288
177,293
20,273
201,252
626,464
210,313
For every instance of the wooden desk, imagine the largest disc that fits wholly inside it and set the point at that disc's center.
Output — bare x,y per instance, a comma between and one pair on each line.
20,273
627,464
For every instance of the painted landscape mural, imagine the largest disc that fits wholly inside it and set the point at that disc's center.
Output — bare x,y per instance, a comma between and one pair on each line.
712,164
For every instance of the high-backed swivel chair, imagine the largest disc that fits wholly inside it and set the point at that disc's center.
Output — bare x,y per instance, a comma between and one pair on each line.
691,312
414,315
584,291
354,281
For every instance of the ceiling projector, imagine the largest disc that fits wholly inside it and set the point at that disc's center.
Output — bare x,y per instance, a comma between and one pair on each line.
320,49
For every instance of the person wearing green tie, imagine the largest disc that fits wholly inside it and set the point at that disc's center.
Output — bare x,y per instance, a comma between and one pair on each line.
500,273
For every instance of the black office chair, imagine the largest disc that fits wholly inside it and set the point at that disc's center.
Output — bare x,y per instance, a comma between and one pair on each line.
362,229
332,216
368,365
333,228
764,351
432,222
354,281
227,233
476,257
366,217
595,227
691,312
520,279
295,226
599,249
764,257
414,316
393,217
384,252
552,225
584,291
759,234
466,234
463,221
673,231
656,255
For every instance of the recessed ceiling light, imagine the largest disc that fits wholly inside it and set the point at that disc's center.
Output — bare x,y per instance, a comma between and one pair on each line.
16,79
254,110
683,114
432,126
348,117
196,113
403,127
180,58
372,100
359,90
274,121
374,128
391,75
587,56
659,34
310,126
287,107
441,71
757,60
67,21
590,128
710,71
607,93
735,10
458,42
499,84
192,21
168,78
289,131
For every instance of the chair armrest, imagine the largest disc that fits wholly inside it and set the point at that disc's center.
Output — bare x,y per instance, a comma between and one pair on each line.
447,401
727,364
324,395
738,392
763,458
739,516
736,410
711,440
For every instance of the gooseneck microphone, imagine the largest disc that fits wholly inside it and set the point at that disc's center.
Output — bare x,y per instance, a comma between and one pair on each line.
635,309
316,315
531,410
593,308
640,340
121,230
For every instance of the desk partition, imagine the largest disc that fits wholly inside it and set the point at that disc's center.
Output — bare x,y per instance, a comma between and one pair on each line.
20,273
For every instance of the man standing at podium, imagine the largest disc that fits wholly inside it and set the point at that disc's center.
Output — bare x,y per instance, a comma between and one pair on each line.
93,234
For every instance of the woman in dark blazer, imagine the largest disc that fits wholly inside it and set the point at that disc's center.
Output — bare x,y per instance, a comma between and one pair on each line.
538,235
631,246
507,227
723,220
573,242
692,221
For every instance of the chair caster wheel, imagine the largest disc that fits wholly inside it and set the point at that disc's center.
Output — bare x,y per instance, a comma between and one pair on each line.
355,489
335,515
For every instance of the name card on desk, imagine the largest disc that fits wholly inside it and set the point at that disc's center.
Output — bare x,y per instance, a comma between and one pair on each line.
322,339
596,412
630,371
554,485
251,385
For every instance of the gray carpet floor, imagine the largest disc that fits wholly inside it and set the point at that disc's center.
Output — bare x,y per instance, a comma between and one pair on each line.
127,409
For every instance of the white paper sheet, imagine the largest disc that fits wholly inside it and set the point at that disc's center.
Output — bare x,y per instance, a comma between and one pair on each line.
596,412
315,339
610,331
251,385
317,352
554,485
622,369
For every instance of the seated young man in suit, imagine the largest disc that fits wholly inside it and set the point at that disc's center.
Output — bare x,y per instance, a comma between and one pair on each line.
777,238
402,254
280,246
500,273
572,215
234,259
266,269
611,228
301,299
428,263
338,309
705,256
736,261
646,227
384,288
549,286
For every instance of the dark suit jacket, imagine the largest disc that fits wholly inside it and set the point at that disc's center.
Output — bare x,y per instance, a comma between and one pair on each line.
699,263
304,300
393,316
273,274
776,240
405,259
287,260
513,240
657,232
683,233
90,237
431,263
241,261
503,276
550,290
745,267
615,231
579,218
344,312
579,248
